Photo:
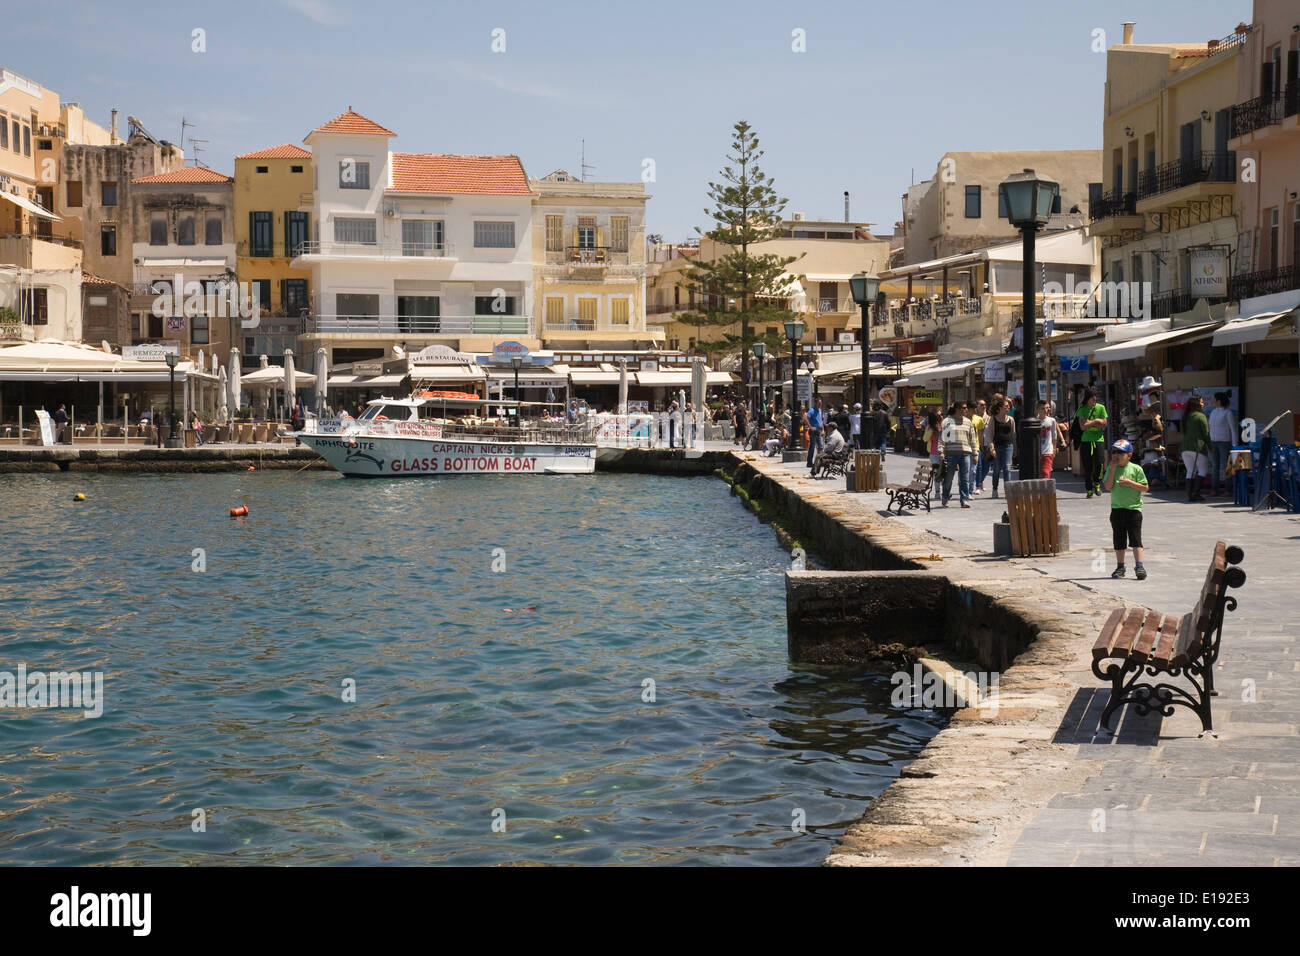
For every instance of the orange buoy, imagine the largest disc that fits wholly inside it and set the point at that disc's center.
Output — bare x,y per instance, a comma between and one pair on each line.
251,468
239,512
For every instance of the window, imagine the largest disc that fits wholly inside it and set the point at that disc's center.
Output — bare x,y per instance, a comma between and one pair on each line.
158,229
34,306
108,194
494,235
554,233
293,296
263,169
108,240
586,232
1002,201
199,330
1056,202
4,132
494,305
618,233
27,140
74,190
212,228
421,237
295,232
587,306
354,175
554,308
619,311
45,144
295,169
259,230
356,304
972,203
262,289
1271,242
418,313
185,229
361,231
18,133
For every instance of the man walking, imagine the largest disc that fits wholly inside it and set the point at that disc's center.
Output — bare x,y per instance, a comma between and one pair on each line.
855,426
60,423
880,428
812,420
958,436
1051,437
1092,417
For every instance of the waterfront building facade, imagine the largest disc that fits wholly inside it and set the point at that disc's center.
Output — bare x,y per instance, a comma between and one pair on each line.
414,249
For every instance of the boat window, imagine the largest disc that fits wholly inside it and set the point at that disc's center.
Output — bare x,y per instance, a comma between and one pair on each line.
393,413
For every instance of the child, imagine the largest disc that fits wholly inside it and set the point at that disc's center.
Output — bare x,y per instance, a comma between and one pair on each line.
1126,481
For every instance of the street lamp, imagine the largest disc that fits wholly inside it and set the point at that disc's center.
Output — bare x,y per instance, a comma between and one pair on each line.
172,358
865,287
516,361
794,332
759,351
1029,198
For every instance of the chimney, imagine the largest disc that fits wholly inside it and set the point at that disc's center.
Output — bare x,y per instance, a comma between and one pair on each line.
846,205
1128,31
112,129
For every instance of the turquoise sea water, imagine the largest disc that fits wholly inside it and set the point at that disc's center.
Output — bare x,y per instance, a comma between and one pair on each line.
514,697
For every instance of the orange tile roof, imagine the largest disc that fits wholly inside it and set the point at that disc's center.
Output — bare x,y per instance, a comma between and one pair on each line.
187,174
447,173
283,151
353,122
88,279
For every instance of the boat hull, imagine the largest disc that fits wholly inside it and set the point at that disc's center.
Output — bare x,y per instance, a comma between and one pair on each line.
373,456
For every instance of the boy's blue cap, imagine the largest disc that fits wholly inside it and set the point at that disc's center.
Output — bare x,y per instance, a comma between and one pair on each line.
1124,446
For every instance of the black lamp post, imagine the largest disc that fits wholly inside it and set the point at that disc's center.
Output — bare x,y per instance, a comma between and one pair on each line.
172,358
759,351
794,332
1029,198
516,362
865,287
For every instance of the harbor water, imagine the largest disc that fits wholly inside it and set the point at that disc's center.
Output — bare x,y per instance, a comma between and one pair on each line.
494,670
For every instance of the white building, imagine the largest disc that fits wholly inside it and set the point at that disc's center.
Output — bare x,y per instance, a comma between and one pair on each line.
414,249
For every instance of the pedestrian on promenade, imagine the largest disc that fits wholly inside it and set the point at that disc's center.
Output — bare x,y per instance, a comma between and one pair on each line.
855,425
980,419
958,452
60,423
880,428
1195,447
774,444
198,430
812,420
1053,436
1003,428
741,421
1223,435
1092,418
930,437
674,424
1126,481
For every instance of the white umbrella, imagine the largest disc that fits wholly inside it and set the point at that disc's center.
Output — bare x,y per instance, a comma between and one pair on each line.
223,387
236,393
322,377
290,386
201,363
622,397
697,386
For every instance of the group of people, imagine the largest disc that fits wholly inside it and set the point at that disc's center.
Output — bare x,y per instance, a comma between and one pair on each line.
852,427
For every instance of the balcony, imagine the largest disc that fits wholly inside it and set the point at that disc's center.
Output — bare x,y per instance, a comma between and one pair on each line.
1291,101
35,251
246,248
389,249
847,306
1264,282
570,325
381,325
1186,179
1255,114
17,332
1113,213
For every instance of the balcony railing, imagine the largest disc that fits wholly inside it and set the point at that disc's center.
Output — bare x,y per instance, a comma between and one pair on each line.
837,305
1113,203
1197,168
43,237
1291,101
389,249
421,324
571,325
1255,114
246,247
1264,282
1164,304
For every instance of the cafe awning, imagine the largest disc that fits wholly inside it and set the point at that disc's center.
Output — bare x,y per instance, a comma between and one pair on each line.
937,373
447,373
30,206
1249,328
594,376
1136,348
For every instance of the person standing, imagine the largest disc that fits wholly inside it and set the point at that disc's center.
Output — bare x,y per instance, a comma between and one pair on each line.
979,419
688,426
1003,429
930,437
1223,435
812,420
958,452
855,425
1195,447
741,421
60,423
880,428
1051,437
1126,481
1092,418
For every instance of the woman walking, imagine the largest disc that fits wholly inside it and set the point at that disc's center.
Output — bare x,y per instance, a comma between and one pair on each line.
1004,443
931,439
1195,447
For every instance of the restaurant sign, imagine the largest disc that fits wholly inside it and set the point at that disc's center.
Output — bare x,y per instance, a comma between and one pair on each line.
503,352
156,352
1209,272
927,396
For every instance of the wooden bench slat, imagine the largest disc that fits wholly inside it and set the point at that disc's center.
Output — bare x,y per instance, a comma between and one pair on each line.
1168,642
1102,648
1146,639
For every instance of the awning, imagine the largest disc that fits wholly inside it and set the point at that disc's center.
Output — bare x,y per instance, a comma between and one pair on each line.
446,373
660,379
1136,348
381,381
951,370
910,369
31,207
1249,328
588,376
344,381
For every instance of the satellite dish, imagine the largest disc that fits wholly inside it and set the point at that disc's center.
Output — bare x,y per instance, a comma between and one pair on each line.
103,343
399,352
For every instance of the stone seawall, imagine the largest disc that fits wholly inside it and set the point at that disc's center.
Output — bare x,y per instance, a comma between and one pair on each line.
151,459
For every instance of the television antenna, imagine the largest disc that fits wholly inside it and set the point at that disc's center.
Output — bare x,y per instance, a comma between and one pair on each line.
184,123
583,166
197,149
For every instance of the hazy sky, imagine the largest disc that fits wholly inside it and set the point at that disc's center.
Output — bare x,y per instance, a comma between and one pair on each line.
882,90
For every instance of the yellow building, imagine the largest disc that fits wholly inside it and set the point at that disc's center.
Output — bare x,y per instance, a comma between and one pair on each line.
273,203
589,263
1169,185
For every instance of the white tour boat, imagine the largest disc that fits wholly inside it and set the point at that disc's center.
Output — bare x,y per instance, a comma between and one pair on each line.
432,434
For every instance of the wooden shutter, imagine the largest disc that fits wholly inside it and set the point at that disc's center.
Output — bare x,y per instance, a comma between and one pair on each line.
600,238
587,309
575,237
619,311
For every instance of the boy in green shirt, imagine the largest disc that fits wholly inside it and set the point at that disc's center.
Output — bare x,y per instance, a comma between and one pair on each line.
1126,481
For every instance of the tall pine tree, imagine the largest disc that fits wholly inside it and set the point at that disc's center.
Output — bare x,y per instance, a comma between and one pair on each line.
739,286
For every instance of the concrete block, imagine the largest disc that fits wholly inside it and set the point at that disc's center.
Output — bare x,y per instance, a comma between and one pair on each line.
795,454
1002,538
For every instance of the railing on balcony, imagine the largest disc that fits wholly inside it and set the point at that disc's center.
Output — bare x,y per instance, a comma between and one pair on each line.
388,249
1165,304
421,324
1113,203
1255,114
837,305
1264,282
1185,171
571,325
1291,100
42,237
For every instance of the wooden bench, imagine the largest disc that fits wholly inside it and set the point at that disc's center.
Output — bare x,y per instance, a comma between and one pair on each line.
1137,642
1035,523
914,495
831,465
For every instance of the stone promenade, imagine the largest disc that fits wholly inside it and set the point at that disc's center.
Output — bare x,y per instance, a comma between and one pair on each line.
1041,783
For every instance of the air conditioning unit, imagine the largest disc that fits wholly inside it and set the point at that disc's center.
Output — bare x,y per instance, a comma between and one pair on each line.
390,212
